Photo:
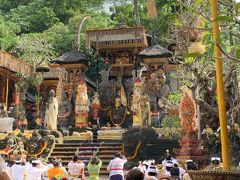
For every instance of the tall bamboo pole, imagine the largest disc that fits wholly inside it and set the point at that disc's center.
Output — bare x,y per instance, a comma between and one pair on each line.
220,87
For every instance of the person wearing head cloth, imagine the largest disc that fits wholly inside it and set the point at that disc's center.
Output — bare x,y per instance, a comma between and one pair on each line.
18,170
36,170
215,164
94,167
166,173
152,172
168,158
190,166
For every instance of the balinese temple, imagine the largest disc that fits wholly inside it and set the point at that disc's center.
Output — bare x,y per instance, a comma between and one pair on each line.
159,58
10,68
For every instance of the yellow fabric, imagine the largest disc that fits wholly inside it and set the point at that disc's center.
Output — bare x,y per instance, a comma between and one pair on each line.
149,114
56,172
123,97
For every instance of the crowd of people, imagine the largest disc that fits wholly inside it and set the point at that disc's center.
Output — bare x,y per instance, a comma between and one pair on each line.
37,169
170,169
118,169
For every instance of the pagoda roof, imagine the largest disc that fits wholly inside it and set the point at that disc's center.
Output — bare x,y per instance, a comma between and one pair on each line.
72,57
156,51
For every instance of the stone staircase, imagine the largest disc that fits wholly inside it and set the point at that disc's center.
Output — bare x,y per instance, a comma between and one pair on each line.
67,150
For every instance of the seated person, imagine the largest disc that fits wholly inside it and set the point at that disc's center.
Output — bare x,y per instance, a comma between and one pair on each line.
190,165
215,164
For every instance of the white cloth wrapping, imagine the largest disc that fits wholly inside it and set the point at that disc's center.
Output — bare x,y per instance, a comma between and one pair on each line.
6,124
51,115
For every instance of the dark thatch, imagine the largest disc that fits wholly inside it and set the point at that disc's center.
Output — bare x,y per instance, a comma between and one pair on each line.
72,57
90,82
156,51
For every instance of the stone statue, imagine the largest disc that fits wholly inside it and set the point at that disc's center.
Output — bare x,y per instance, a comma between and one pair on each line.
64,113
51,113
81,105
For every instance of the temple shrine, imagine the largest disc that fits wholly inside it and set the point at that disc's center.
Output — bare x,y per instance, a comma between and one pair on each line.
131,91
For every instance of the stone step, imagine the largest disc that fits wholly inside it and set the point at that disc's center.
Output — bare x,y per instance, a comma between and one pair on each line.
65,162
69,149
87,144
88,152
86,157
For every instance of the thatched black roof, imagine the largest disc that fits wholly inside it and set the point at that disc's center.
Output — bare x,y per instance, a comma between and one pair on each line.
72,57
156,51
90,82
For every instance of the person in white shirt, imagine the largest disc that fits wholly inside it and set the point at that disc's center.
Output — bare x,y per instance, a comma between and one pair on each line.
4,170
18,170
115,167
152,172
76,168
36,170
168,158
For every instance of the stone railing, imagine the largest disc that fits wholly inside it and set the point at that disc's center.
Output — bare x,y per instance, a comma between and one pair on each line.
126,37
14,64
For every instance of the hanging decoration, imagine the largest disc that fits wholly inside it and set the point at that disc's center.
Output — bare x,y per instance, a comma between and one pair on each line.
82,105
187,111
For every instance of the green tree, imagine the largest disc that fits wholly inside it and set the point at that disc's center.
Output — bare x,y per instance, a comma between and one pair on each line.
60,37
32,17
34,48
8,34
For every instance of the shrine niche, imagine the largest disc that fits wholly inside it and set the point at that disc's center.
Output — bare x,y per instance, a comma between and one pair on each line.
120,48
158,62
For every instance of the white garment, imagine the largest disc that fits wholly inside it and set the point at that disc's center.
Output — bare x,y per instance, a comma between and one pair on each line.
116,166
17,171
74,168
181,172
51,115
150,177
34,173
167,173
174,161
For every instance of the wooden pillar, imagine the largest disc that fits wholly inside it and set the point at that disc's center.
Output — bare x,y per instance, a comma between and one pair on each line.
6,97
3,89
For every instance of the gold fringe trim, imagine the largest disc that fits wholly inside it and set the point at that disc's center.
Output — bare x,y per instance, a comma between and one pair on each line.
40,152
135,152
122,121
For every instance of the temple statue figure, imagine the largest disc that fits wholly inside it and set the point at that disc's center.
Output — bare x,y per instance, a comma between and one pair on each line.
145,109
96,106
51,113
81,105
136,107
